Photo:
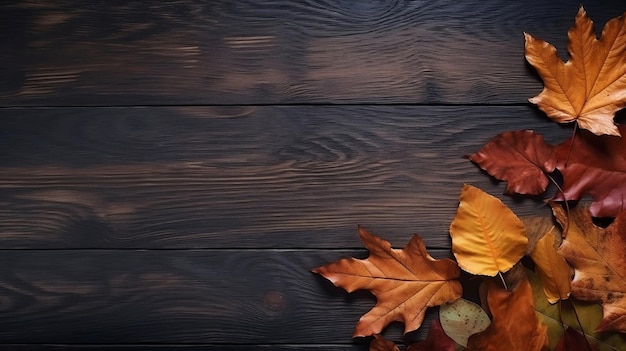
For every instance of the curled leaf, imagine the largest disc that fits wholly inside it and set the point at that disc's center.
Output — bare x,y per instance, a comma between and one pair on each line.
551,268
595,166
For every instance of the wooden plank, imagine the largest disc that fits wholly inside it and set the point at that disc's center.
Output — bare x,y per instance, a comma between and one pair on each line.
189,297
255,52
244,177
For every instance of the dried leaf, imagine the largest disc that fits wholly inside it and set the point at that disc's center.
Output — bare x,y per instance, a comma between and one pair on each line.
536,228
405,282
589,159
462,318
437,340
487,237
551,268
379,343
599,262
515,326
521,158
591,86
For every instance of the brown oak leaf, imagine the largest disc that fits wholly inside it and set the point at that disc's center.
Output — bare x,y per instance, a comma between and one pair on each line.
521,158
437,340
596,166
599,261
515,325
591,86
405,282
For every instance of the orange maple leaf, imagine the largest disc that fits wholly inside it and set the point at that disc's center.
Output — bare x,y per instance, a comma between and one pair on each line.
591,86
515,325
405,282
597,255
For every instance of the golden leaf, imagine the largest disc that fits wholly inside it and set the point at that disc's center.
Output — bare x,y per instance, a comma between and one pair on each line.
551,268
487,237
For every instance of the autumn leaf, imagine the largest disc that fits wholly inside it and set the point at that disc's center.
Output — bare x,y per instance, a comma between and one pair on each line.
521,158
487,237
514,326
437,340
536,228
591,86
599,261
462,318
379,343
573,340
551,268
405,282
595,166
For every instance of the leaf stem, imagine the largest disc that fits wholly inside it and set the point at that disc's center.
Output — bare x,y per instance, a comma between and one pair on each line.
503,281
567,209
580,325
571,145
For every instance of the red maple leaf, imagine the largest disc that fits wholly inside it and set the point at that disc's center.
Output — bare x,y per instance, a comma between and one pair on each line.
596,166
522,158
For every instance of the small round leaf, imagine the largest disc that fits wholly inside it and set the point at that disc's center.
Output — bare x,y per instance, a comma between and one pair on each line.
462,318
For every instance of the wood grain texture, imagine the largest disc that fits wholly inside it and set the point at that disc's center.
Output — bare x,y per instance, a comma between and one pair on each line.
177,297
275,128
68,52
255,177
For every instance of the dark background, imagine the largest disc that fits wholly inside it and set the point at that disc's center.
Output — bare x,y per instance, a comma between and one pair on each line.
170,171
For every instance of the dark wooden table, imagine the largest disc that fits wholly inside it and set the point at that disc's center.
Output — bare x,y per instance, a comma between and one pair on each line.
170,171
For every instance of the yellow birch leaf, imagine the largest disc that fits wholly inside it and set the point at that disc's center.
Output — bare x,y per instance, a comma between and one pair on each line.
487,237
552,268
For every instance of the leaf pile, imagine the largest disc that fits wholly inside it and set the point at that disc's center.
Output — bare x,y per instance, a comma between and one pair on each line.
575,299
